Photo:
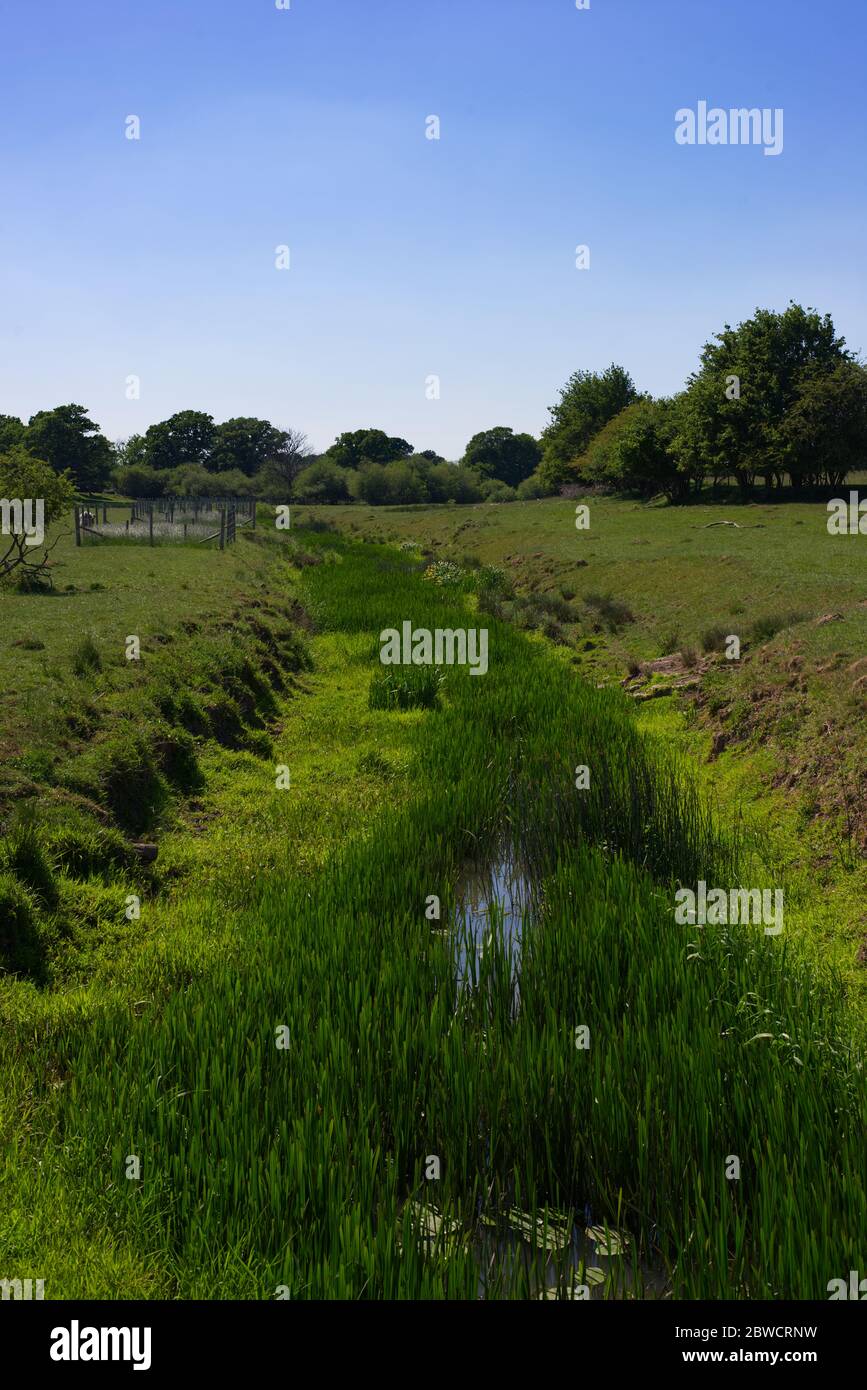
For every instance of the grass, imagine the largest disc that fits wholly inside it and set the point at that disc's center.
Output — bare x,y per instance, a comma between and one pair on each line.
791,710
417,687
293,1165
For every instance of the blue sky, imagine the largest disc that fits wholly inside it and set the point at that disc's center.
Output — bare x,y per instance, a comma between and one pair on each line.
409,257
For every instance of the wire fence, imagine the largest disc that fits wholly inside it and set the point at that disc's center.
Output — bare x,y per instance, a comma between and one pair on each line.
152,520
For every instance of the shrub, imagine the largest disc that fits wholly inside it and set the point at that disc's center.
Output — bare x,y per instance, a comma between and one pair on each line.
713,639
493,580
491,602
495,491
445,573
609,611
137,480
322,482
451,482
763,629
554,606
534,487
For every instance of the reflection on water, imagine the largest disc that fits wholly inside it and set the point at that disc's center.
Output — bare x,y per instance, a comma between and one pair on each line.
493,901
554,1258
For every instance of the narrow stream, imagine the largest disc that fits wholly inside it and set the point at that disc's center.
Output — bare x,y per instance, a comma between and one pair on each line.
564,1259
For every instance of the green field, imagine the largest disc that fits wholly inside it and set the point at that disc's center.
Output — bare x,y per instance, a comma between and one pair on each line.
158,1142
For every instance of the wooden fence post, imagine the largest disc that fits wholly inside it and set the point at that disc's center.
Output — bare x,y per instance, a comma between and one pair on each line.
77,524
222,528
151,525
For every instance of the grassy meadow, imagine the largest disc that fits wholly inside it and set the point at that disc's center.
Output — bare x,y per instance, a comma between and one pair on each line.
292,1076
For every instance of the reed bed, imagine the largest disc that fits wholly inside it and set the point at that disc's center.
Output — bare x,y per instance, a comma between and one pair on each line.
296,1167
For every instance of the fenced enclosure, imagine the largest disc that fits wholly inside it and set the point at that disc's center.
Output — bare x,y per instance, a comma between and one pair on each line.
164,520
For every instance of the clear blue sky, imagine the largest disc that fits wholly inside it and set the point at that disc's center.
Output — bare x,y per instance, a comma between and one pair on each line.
409,257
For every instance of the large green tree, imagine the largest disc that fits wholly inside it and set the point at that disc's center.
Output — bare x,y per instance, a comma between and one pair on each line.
355,447
25,479
291,454
68,440
186,437
732,416
632,453
587,402
131,453
500,453
11,432
245,443
824,434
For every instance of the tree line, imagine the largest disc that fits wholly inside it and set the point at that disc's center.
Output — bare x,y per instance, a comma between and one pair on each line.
778,401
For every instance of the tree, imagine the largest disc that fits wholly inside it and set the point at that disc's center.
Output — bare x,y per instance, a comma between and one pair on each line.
322,481
131,452
244,443
69,441
587,402
824,434
731,418
632,453
34,496
500,453
186,437
355,447
292,453
11,432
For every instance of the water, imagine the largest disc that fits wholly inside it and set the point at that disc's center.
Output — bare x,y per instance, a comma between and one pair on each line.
493,902
567,1259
